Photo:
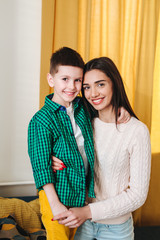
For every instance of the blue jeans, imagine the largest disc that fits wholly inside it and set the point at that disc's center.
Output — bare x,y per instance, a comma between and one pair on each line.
91,230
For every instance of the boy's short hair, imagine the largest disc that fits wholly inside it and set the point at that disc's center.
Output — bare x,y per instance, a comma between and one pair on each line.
65,56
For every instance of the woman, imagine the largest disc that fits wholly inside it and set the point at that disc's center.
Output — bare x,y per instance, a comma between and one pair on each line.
123,156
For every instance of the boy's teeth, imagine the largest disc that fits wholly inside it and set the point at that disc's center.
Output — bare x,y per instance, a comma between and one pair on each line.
69,93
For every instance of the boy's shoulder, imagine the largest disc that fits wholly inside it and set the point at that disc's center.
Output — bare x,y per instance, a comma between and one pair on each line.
42,116
46,113
47,109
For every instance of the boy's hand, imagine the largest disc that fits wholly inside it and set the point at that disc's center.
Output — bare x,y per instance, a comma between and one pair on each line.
58,208
124,116
74,217
57,164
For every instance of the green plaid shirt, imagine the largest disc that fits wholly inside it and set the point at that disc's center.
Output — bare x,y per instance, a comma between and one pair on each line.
50,133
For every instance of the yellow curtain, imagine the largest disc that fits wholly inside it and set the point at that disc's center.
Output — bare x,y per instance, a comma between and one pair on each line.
129,33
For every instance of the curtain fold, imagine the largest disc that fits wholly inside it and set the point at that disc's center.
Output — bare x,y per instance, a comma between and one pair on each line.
47,37
155,124
129,33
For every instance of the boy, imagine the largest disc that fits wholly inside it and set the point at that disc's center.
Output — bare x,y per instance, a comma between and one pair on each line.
62,128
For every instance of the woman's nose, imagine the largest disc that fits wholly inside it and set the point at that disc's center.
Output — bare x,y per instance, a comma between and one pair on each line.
94,93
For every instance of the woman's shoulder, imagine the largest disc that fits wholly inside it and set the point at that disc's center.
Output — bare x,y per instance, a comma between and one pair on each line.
139,128
139,124
133,126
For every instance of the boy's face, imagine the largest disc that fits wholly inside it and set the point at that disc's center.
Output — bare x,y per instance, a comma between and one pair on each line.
67,83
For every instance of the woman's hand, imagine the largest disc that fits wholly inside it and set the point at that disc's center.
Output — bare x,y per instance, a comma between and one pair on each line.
74,217
57,164
124,116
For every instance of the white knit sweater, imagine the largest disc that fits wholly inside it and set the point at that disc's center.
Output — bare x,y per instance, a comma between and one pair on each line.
122,170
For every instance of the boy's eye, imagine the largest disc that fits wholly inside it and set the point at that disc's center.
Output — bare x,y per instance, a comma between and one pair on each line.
64,79
78,80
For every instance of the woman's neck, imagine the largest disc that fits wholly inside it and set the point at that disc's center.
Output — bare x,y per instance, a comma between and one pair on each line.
107,115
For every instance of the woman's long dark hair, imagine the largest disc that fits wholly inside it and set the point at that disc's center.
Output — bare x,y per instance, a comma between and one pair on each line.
119,98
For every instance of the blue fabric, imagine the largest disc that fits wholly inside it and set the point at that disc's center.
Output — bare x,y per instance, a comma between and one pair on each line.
91,230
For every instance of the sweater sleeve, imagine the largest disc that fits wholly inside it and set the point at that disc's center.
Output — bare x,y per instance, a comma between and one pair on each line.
39,150
136,193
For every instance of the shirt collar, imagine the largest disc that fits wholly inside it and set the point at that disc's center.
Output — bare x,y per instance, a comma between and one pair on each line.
55,106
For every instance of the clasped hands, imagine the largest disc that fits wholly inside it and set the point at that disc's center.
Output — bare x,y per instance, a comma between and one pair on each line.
73,217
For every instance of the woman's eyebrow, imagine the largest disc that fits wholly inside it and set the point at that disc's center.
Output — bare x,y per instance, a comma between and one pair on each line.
98,81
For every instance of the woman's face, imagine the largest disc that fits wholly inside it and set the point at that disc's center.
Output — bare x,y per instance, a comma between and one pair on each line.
98,89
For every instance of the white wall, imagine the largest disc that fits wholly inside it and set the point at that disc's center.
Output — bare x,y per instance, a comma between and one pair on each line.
20,44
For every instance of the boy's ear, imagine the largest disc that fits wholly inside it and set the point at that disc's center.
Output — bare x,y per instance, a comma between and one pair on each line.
50,80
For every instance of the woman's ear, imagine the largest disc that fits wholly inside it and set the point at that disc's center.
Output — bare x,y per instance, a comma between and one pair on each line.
50,80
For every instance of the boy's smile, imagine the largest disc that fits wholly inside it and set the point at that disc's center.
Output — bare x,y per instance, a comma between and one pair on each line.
67,83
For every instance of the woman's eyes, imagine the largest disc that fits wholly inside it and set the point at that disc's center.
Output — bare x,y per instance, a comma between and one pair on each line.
98,85
86,88
101,84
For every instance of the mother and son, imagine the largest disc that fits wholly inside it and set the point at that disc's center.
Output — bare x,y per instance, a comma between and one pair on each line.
90,155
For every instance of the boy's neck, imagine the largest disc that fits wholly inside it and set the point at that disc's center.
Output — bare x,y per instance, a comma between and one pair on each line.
66,104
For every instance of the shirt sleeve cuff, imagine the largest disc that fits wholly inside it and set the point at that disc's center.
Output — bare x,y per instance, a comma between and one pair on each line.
43,176
96,212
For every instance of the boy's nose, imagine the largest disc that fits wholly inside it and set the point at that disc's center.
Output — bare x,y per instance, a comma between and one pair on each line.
71,85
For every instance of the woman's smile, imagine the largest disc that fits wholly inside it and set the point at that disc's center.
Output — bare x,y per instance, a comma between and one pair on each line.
97,101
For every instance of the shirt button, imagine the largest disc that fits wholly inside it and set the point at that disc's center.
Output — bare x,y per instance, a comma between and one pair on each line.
62,108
